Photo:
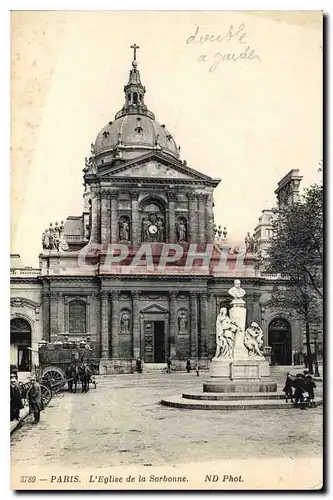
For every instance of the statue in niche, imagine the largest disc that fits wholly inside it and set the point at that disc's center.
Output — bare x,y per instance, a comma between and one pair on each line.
181,231
160,226
145,226
124,230
182,322
125,322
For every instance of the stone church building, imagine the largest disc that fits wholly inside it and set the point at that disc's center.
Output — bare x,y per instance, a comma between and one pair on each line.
141,198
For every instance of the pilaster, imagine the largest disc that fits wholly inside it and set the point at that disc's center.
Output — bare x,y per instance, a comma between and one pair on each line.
173,323
105,217
135,218
115,324
192,208
46,316
136,325
203,325
172,217
202,216
114,216
194,325
105,324
54,296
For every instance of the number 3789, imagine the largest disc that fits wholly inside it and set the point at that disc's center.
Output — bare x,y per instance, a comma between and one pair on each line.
28,479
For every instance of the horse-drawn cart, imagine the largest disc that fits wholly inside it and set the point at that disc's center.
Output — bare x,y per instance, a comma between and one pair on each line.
56,358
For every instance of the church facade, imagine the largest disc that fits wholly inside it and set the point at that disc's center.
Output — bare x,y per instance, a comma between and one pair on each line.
142,272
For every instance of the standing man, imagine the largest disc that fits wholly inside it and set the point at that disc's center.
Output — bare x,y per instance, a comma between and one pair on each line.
168,365
34,396
82,375
139,365
16,403
188,366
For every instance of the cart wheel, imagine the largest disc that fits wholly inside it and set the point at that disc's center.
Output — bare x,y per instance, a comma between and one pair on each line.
46,395
52,375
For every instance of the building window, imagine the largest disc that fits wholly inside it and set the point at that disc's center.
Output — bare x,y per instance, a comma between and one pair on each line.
77,317
135,98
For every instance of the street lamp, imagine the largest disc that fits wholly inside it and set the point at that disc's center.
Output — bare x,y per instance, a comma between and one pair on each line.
315,338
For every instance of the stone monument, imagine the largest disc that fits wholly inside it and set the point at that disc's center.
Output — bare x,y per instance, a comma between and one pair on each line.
239,364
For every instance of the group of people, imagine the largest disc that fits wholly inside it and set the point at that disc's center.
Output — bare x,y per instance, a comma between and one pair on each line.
75,374
300,390
33,396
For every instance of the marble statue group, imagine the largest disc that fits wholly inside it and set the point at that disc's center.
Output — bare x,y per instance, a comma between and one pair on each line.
233,340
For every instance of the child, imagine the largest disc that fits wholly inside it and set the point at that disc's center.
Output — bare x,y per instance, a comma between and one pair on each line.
309,387
288,388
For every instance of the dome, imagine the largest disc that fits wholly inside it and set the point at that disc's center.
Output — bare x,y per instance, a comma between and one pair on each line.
134,134
134,130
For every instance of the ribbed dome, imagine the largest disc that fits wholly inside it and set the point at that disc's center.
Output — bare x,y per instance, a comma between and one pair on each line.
135,132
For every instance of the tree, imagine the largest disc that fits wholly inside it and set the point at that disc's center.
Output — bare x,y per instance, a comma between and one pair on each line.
296,252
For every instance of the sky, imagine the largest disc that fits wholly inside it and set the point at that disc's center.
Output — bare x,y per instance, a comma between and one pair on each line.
245,107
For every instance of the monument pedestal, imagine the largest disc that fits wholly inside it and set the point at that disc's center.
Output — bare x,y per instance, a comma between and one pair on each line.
239,375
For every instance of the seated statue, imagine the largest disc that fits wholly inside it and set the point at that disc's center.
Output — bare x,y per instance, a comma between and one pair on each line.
253,340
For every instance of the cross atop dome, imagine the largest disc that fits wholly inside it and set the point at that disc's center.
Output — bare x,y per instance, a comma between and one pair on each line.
134,92
135,47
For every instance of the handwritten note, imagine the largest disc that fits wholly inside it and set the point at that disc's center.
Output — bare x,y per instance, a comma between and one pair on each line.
232,45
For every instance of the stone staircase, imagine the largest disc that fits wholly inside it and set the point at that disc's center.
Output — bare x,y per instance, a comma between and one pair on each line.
154,367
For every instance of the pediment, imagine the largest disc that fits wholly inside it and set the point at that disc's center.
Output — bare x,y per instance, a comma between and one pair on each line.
156,166
153,169
154,308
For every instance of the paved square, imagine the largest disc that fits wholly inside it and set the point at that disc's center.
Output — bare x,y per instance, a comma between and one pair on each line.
121,423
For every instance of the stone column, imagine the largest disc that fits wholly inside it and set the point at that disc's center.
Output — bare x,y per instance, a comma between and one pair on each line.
115,324
203,326
105,217
95,207
194,325
256,308
53,315
192,210
202,217
136,325
210,219
66,310
173,323
105,324
61,314
46,316
172,217
114,216
135,227
212,315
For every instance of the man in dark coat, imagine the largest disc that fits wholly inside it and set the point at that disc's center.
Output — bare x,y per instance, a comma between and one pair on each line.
34,396
139,365
168,365
309,387
288,388
299,384
71,374
188,366
16,403
84,374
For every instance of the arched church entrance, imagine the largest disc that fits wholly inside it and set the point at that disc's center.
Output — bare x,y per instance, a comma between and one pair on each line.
20,341
279,339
